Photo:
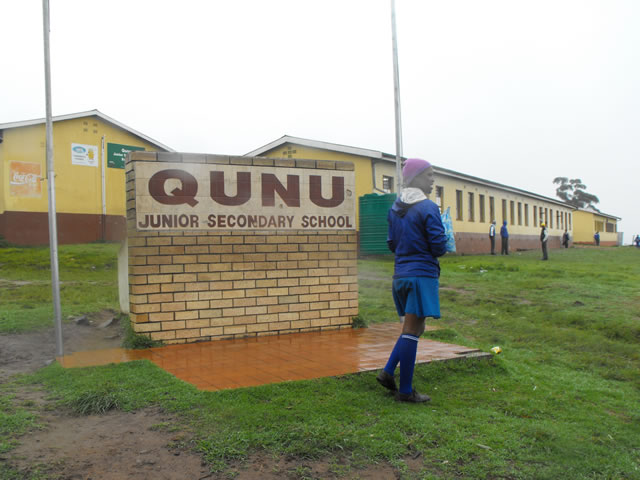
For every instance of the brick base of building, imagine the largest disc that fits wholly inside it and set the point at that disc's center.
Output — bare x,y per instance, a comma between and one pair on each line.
593,244
477,243
32,228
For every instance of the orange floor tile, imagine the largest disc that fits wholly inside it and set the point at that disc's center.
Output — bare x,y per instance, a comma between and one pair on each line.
262,360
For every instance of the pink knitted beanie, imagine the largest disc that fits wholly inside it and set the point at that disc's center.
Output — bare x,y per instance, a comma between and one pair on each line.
412,168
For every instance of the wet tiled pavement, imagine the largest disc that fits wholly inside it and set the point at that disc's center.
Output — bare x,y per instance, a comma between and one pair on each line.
245,362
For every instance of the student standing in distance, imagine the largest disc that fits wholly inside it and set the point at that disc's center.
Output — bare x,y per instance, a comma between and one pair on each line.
565,239
504,239
596,237
417,238
492,237
544,236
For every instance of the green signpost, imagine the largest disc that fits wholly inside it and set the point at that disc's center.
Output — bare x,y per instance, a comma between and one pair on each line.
117,154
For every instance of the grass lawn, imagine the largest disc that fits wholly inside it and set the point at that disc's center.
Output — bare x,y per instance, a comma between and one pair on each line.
561,401
88,283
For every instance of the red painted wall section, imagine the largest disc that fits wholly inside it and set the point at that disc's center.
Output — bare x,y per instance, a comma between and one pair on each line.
32,228
476,243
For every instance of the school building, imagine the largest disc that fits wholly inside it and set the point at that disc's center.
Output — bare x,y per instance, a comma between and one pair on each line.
474,202
90,149
588,221
89,160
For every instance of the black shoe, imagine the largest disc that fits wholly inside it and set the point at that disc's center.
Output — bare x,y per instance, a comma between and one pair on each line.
386,380
413,397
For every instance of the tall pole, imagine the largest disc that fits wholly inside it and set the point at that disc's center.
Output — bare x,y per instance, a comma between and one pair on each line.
51,178
104,196
396,94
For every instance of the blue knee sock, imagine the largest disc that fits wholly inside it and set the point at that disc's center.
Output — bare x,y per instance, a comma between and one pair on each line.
394,358
407,362
404,353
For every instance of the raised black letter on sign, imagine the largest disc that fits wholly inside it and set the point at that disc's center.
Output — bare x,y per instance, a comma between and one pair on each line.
337,191
289,195
179,196
243,189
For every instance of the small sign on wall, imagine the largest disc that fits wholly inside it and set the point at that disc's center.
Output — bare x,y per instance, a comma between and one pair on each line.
86,155
117,154
182,196
25,179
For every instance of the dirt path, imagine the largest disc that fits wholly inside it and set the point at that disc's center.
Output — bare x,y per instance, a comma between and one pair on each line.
117,445
114,446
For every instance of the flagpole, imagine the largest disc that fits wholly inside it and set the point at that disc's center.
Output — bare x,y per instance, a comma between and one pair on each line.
396,94
51,178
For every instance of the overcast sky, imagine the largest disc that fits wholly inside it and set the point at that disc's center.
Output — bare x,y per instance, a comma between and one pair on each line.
517,92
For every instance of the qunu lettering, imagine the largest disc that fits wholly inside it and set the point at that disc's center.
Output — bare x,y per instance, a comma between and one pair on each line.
269,185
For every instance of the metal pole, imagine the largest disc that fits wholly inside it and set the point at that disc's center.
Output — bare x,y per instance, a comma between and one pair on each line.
396,94
53,228
104,196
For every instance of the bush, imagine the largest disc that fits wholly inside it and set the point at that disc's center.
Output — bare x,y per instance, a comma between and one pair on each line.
358,322
133,340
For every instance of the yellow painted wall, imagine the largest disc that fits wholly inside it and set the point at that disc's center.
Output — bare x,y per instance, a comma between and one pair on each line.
586,225
362,166
583,229
385,168
451,184
78,187
4,181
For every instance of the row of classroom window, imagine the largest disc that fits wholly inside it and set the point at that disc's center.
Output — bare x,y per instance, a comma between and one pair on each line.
563,219
510,211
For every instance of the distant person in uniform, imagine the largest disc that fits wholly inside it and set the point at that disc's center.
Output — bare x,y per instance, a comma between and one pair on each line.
492,237
637,241
504,239
596,237
417,238
544,236
565,239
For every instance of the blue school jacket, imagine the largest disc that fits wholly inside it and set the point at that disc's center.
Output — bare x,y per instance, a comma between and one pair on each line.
417,237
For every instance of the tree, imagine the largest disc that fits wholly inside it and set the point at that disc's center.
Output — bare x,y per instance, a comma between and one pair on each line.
572,191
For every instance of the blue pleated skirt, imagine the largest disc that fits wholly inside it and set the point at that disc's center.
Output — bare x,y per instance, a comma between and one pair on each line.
417,295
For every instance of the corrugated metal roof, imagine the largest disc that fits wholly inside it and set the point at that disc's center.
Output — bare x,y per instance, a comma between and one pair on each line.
89,113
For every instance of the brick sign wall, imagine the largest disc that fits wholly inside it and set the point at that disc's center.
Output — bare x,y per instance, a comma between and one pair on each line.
223,247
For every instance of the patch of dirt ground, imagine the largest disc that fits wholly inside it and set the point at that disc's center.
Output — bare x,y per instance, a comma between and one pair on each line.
116,445
113,446
27,352
264,467
129,445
